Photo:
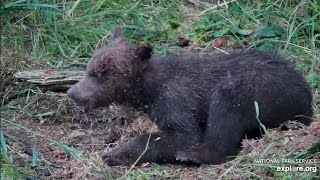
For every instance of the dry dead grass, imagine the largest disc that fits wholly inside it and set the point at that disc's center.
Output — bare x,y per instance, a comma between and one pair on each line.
89,132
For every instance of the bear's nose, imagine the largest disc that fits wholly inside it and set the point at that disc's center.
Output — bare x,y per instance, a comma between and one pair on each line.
70,93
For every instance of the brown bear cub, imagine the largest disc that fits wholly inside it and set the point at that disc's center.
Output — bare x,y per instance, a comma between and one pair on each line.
203,105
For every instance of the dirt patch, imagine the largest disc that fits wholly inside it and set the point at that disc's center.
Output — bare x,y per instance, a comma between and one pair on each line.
42,118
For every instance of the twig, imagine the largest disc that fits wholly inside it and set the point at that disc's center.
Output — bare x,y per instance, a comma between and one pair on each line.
227,171
144,151
213,7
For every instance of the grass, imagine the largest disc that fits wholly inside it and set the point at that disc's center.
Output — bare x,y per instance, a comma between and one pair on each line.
58,33
8,170
63,32
69,31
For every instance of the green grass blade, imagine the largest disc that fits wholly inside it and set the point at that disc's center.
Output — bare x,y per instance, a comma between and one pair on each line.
3,174
3,143
46,114
34,156
256,105
76,154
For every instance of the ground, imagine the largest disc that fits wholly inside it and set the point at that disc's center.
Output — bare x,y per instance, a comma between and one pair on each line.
62,133
44,135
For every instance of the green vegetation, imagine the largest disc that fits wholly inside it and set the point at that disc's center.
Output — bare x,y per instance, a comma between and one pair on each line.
61,32
64,32
8,170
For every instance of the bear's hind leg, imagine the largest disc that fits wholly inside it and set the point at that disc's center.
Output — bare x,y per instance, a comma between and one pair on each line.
223,137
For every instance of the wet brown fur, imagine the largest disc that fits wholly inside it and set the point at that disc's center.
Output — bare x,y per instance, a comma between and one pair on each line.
202,105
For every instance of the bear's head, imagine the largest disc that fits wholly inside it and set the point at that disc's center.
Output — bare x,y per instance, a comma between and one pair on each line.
111,73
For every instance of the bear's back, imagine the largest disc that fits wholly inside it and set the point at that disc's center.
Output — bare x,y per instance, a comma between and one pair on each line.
199,74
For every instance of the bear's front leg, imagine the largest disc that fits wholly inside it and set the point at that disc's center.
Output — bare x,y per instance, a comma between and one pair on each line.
156,147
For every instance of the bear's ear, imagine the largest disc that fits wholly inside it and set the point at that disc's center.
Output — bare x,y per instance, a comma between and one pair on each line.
144,50
117,32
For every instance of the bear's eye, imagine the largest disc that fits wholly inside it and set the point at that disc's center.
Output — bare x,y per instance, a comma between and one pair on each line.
96,76
92,74
100,78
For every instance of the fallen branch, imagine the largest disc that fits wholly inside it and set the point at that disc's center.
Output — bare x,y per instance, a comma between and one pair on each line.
53,80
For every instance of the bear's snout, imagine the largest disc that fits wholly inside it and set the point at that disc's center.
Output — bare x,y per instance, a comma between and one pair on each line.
70,93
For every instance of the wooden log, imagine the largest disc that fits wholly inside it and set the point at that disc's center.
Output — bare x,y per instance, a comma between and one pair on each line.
53,80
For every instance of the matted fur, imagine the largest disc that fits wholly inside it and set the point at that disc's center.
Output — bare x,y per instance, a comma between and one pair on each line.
202,105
